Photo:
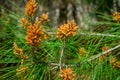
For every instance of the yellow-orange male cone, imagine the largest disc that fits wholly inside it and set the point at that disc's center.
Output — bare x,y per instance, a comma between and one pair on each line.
116,65
103,57
44,18
31,8
17,51
67,30
68,74
24,22
35,34
116,16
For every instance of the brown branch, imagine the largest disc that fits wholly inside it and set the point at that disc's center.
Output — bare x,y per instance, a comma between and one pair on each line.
93,34
103,53
61,54
89,60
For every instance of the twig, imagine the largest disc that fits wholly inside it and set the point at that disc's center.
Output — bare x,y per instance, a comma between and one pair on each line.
61,54
93,34
103,53
89,60
54,64
99,34
97,56
54,68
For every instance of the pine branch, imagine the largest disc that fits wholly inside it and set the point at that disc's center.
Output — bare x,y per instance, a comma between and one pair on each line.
93,34
89,60
99,34
103,53
96,57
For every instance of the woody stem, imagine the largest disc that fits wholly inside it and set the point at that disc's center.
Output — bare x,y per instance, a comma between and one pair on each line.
61,55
